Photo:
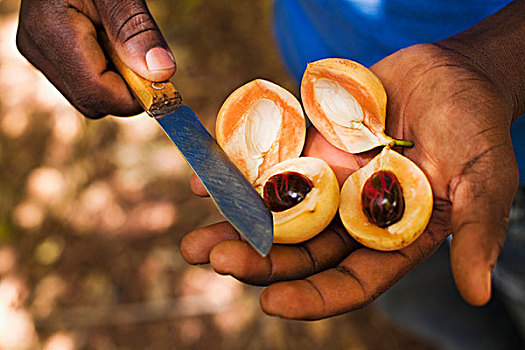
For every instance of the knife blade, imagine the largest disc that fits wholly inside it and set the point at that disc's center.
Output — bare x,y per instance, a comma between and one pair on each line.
234,196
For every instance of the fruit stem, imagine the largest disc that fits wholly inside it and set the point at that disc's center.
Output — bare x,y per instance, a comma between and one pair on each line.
401,143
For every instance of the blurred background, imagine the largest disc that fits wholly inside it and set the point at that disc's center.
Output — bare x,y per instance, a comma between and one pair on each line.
92,211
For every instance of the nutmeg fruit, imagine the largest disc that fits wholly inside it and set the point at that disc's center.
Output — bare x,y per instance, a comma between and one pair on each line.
414,191
261,126
312,214
346,102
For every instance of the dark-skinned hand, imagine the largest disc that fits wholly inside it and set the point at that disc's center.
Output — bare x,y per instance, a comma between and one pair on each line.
459,123
60,37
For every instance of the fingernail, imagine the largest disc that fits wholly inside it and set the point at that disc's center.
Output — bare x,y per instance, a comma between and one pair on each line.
158,58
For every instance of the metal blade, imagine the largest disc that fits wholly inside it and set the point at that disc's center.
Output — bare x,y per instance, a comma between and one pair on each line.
233,194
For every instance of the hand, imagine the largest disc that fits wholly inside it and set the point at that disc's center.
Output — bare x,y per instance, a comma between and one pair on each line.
460,126
60,38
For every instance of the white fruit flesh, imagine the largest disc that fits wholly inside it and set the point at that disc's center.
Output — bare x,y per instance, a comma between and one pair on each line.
338,104
347,103
263,123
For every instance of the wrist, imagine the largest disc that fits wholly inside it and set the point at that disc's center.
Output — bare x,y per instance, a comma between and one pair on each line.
496,48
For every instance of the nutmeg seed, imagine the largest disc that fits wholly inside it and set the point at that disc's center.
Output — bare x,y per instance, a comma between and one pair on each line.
285,190
382,199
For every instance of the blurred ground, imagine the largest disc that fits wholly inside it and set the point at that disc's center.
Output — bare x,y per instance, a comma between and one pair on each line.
92,212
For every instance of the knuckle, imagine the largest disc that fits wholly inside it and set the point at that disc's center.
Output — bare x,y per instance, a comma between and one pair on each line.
37,16
41,28
21,43
27,27
95,101
369,299
90,101
310,262
136,25
89,107
130,19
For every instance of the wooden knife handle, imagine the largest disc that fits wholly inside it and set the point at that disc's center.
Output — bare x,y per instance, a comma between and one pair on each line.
157,98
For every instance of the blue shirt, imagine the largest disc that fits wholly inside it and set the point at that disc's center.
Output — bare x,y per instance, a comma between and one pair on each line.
368,30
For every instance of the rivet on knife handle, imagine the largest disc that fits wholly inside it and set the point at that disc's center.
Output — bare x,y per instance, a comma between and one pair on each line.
156,98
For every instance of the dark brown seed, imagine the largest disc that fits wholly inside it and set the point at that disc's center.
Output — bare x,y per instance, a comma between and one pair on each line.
285,190
382,199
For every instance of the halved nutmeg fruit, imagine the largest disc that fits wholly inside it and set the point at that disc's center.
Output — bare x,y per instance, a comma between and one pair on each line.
347,104
386,204
261,126
303,194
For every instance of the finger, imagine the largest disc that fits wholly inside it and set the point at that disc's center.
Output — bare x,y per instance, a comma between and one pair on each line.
354,283
197,187
284,262
137,38
69,55
481,197
197,245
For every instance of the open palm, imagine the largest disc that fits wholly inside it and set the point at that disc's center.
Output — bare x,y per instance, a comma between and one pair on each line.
460,128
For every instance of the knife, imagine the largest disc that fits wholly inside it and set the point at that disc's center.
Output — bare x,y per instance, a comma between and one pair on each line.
232,193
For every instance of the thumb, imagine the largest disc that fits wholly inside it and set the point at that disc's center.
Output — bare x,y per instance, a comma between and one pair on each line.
481,200
137,38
